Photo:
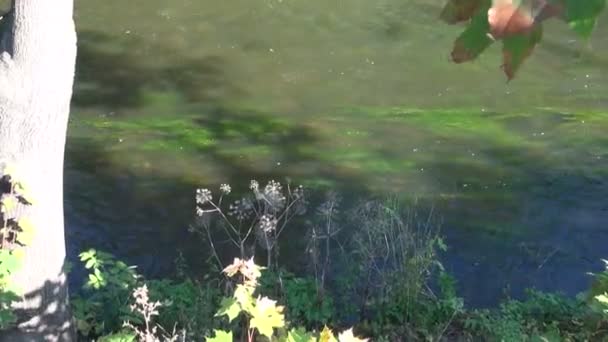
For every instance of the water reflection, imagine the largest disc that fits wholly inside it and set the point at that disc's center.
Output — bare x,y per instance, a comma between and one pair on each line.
359,97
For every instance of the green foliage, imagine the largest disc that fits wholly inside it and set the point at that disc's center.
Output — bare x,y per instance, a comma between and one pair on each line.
262,314
123,336
540,315
187,304
305,304
221,336
16,232
518,42
104,304
582,16
398,253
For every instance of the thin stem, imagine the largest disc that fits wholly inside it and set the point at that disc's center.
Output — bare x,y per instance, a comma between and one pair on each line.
217,258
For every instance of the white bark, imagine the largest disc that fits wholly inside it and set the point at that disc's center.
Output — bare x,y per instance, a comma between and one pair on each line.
36,77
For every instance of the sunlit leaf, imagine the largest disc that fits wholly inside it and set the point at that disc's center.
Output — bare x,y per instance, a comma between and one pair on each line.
8,203
119,337
26,235
19,253
220,336
266,316
229,307
87,254
327,335
13,172
348,336
90,263
25,194
244,296
300,335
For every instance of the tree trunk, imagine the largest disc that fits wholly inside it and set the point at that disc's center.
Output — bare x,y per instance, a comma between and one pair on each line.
36,76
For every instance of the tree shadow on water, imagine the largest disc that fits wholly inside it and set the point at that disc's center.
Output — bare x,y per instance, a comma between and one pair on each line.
115,73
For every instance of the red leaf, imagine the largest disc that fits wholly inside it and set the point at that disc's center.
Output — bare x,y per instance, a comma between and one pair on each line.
506,19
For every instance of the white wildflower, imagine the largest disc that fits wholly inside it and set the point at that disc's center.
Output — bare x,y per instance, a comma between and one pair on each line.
241,209
254,185
274,196
267,223
225,189
203,196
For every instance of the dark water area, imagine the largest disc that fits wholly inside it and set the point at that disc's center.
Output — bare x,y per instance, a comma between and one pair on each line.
360,98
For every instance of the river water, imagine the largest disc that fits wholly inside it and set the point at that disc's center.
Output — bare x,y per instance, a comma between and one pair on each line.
358,96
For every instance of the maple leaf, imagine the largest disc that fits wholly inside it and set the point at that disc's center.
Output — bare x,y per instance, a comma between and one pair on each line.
508,18
300,335
517,48
473,40
266,316
327,335
244,297
347,336
229,307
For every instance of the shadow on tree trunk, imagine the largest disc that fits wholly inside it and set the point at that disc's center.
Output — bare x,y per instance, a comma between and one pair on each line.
52,322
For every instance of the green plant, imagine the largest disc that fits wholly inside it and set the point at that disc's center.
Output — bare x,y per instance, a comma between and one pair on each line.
257,219
517,23
305,304
262,315
104,304
16,232
188,305
397,250
147,309
541,314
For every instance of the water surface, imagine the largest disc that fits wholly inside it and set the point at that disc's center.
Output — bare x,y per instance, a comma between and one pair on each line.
358,96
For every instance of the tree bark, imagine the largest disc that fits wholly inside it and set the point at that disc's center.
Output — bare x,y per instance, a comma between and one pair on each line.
37,64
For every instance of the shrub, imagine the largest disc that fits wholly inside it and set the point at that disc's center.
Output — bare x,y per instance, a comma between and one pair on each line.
305,304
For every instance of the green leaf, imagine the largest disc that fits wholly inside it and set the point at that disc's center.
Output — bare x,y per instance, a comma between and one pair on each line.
473,40
582,15
517,48
267,316
9,263
220,336
119,337
244,296
300,335
8,203
94,281
87,255
90,263
229,307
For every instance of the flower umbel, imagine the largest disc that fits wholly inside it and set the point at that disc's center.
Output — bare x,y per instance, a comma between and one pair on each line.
203,196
